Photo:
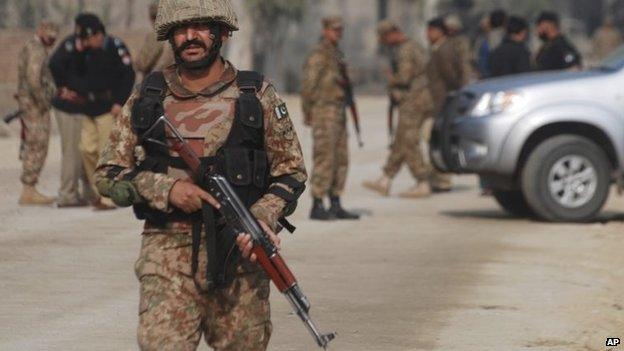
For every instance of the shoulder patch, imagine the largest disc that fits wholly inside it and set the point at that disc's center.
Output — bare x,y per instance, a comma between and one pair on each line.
69,46
281,111
117,42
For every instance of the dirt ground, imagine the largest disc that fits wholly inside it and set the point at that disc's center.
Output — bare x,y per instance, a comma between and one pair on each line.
448,273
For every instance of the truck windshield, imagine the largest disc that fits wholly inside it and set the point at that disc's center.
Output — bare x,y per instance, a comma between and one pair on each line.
613,62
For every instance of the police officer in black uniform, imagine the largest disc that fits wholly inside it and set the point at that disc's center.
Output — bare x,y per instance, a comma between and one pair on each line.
95,77
556,52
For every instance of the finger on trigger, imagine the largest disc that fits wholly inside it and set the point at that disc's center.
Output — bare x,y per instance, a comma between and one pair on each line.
208,198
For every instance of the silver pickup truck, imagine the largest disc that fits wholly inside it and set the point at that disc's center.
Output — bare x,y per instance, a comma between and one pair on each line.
547,144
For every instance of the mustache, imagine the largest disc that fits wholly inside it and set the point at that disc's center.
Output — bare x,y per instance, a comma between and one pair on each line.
186,44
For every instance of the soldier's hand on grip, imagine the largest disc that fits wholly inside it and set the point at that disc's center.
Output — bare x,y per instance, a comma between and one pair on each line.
188,197
245,243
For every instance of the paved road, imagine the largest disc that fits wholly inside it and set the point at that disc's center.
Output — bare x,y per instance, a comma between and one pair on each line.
448,273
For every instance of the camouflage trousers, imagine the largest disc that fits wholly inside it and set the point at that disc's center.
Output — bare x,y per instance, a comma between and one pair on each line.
330,151
34,146
175,308
405,148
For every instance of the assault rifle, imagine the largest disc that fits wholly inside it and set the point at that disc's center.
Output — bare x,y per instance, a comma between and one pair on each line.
242,221
391,108
348,87
12,116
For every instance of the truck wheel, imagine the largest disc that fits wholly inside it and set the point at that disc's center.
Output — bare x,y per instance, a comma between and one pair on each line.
566,179
513,202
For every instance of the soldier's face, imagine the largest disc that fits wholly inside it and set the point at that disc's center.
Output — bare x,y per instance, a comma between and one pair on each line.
48,38
434,34
192,42
333,34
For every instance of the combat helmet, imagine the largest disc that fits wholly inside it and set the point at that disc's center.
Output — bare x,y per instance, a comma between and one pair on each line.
172,13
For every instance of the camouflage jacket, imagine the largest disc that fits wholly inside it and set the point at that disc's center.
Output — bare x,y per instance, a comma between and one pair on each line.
209,114
323,80
605,40
154,55
36,85
408,78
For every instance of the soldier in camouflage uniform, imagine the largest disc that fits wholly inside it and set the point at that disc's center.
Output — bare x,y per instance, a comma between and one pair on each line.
202,94
606,39
154,55
323,99
35,91
408,88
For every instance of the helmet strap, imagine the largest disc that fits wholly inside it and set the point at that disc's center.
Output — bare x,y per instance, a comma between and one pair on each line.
209,59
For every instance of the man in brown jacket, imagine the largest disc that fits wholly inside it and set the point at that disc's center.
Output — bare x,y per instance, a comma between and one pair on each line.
445,74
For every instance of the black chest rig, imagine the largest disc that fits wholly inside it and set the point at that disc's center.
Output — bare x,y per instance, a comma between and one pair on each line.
242,160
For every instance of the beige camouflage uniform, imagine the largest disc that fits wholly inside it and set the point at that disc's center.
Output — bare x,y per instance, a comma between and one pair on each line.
408,87
154,55
324,107
605,40
175,308
35,91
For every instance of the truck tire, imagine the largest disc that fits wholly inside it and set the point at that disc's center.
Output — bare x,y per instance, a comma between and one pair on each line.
513,202
566,179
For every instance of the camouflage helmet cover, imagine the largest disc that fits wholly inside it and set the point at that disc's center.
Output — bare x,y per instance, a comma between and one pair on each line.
48,28
172,13
386,26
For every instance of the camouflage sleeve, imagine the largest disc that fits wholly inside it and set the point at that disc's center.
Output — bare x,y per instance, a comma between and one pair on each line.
284,154
36,58
406,70
149,54
312,72
118,159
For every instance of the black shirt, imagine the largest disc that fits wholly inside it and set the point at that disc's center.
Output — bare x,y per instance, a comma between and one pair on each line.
102,77
558,53
510,57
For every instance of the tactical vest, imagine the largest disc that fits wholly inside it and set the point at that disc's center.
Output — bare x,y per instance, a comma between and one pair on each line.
242,159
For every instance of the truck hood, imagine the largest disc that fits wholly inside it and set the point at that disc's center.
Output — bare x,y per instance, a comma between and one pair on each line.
520,81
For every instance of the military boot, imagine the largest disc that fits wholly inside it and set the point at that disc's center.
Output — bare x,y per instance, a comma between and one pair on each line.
318,211
30,196
381,185
420,190
336,210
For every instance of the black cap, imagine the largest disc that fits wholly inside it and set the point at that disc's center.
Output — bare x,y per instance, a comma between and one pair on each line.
88,24
516,25
438,22
498,18
548,16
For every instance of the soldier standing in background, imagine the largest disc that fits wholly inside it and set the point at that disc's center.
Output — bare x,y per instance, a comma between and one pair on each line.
237,121
95,75
323,98
34,95
445,74
606,39
407,86
154,55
